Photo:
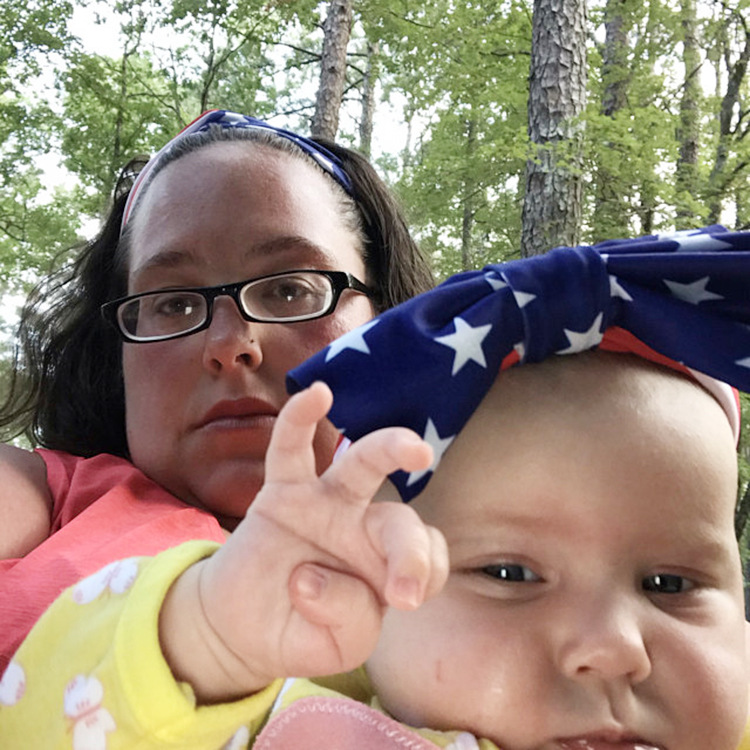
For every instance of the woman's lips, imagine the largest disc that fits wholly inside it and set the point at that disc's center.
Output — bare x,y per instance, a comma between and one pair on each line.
239,413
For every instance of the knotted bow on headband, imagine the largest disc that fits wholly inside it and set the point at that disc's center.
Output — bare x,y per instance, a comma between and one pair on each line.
427,363
225,119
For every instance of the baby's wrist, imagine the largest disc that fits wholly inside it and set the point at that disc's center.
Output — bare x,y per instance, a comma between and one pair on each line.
194,649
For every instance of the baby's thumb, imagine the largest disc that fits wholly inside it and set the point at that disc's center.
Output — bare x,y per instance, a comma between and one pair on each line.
344,604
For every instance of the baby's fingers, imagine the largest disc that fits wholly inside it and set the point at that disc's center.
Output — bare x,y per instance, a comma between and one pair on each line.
290,456
346,612
360,471
416,554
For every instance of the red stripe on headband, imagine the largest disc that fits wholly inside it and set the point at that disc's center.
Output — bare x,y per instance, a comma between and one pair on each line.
619,340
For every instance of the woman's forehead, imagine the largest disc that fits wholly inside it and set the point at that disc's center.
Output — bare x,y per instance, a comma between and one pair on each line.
227,165
230,200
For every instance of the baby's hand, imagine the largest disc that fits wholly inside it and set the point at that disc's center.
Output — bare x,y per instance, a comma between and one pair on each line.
301,587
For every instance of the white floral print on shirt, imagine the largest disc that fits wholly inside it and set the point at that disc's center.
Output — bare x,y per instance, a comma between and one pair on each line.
12,685
82,703
116,577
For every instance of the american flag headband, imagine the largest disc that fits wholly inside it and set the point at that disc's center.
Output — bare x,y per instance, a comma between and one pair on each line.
681,299
329,162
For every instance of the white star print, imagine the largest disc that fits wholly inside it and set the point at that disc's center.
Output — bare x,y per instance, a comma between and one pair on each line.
466,342
523,298
616,289
492,279
695,242
352,340
580,342
743,362
695,292
439,446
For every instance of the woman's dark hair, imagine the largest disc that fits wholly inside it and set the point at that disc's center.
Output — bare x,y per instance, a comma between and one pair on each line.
66,390
396,266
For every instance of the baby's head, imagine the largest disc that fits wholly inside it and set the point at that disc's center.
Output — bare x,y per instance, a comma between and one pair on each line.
595,595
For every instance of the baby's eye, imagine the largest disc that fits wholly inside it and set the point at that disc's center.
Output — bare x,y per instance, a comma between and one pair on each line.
666,583
511,572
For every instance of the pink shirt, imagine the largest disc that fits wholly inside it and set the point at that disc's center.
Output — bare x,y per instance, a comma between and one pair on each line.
104,509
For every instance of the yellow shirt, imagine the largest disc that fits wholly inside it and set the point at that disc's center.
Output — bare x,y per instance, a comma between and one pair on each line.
91,675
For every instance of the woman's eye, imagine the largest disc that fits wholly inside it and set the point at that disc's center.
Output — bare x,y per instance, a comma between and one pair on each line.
174,305
292,291
667,583
511,572
288,289
295,295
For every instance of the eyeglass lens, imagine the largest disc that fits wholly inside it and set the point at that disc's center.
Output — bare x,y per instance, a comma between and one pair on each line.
290,297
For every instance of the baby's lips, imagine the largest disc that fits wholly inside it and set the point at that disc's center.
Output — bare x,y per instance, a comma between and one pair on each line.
590,743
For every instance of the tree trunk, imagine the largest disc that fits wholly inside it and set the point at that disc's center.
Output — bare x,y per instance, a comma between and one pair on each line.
368,98
557,95
467,197
729,103
610,216
742,513
741,208
688,135
336,30
615,74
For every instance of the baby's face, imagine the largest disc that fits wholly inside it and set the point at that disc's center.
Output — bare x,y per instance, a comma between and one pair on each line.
595,594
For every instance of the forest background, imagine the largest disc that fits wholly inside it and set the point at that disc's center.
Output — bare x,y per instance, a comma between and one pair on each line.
506,127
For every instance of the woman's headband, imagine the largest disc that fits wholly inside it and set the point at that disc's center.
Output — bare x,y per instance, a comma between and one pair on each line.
225,119
684,299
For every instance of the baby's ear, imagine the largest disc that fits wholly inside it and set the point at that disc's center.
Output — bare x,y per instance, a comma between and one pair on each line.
387,493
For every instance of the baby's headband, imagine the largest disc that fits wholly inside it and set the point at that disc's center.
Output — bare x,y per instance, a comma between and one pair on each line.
225,119
681,299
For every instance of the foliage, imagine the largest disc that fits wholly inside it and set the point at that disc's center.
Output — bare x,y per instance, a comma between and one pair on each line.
458,66
742,525
455,75
451,111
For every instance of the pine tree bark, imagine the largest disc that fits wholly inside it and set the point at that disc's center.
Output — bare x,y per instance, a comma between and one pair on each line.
557,95
609,217
336,32
468,188
729,104
688,134
368,98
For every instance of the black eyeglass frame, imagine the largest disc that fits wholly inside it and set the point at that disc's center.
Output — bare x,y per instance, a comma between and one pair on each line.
340,282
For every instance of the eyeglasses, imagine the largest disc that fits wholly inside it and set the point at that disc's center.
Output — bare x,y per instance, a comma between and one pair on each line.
287,297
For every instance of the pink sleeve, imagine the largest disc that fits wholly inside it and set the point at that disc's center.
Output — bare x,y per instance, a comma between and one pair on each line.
60,468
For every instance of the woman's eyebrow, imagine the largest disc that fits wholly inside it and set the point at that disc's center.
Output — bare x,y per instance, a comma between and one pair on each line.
293,244
170,259
166,259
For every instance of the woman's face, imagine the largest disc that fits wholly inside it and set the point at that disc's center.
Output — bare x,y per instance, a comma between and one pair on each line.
200,409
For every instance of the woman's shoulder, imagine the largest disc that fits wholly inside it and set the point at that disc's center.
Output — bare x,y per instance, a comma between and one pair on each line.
25,501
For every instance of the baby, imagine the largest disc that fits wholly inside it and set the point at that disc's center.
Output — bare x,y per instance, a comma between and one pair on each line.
594,592
594,598
565,577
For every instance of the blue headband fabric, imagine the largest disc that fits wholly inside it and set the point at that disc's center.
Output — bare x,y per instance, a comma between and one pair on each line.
226,119
427,363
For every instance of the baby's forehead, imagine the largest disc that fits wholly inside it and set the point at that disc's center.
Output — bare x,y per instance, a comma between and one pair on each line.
547,435
589,382
625,401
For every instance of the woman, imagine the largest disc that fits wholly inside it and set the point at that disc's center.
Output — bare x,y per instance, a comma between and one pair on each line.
160,437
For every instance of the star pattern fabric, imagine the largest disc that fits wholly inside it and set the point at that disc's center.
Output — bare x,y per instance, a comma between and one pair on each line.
428,362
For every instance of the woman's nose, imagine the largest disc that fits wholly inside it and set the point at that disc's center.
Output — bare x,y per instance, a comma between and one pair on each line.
603,639
230,340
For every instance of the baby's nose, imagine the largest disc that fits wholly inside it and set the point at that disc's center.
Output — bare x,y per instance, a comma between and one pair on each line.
603,638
